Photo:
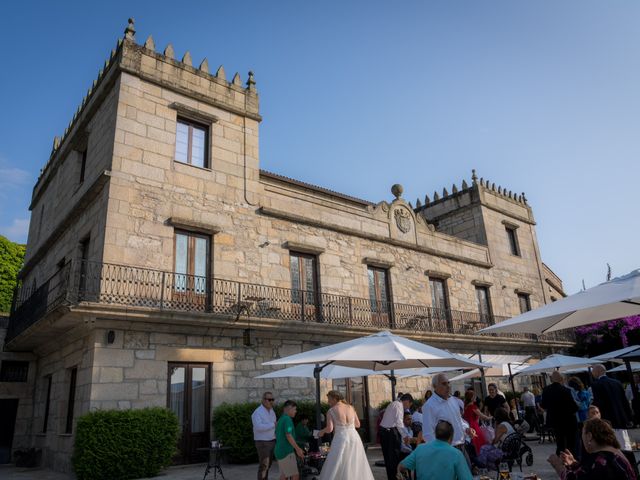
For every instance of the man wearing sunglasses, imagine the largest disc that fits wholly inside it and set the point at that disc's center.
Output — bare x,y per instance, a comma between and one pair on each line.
264,433
442,406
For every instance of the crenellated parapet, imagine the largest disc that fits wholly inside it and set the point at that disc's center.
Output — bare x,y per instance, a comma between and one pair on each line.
477,184
162,69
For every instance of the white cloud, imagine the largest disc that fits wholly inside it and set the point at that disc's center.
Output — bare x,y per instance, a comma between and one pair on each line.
17,231
13,177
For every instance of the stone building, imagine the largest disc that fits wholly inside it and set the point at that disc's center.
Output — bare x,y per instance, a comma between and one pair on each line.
164,266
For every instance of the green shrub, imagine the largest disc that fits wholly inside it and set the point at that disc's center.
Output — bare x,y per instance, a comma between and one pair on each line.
383,405
123,444
233,427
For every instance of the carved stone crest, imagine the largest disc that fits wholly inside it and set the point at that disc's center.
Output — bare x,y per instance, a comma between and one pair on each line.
403,220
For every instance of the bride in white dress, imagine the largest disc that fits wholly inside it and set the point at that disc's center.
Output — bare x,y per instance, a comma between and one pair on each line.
347,459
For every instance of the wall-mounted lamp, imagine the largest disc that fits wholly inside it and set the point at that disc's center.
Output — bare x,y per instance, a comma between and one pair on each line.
111,337
265,244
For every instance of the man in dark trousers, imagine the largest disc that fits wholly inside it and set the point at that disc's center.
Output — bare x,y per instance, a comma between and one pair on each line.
561,410
390,436
609,397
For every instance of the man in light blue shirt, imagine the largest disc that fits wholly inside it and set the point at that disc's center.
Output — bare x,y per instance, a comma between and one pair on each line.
437,459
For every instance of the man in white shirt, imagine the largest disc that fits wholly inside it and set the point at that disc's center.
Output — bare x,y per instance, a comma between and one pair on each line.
456,395
390,437
529,403
264,433
442,406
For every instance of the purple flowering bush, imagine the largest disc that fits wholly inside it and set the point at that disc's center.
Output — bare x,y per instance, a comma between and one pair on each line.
606,336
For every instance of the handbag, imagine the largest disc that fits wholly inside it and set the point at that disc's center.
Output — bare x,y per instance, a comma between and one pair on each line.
488,432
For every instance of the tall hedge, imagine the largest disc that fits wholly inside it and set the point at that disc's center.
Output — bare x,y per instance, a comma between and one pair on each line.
232,425
11,257
124,444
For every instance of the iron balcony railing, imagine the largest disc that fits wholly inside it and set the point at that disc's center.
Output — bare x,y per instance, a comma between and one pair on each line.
113,284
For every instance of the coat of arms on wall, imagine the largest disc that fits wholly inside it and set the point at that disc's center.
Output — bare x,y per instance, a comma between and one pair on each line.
403,220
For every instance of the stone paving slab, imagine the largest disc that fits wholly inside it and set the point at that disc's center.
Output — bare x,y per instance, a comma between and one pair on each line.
248,472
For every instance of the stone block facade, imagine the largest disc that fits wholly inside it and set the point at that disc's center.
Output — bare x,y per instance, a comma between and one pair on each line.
113,197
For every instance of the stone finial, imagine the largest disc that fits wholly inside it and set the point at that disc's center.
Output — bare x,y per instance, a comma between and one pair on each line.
482,182
130,31
454,189
520,198
493,187
237,80
445,193
427,200
418,203
186,59
204,66
510,194
474,177
524,198
119,43
464,185
221,74
168,52
251,82
149,44
56,143
396,190
113,54
500,189
436,197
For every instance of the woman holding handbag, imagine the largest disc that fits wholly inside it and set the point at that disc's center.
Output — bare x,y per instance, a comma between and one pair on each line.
472,415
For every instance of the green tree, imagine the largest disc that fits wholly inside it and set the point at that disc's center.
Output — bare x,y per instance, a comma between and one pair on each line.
11,258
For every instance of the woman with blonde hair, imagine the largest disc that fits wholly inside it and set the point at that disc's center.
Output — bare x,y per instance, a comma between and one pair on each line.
347,459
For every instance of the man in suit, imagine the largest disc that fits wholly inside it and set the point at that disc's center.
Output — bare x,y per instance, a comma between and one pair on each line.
561,410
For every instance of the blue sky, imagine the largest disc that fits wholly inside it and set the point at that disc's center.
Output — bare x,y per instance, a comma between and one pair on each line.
538,96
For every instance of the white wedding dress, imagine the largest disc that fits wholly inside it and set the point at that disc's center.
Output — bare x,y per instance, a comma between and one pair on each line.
347,459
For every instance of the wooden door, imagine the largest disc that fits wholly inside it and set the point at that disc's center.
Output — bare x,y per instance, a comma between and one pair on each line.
189,397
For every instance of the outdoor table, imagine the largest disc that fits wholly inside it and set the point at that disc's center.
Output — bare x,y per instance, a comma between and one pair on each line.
213,462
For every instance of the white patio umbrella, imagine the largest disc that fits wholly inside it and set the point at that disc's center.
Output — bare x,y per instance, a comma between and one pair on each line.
619,355
379,352
331,371
423,372
556,362
617,298
470,374
635,367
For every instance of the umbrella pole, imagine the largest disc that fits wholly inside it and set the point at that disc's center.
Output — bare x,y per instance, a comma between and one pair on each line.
482,377
513,388
316,375
392,377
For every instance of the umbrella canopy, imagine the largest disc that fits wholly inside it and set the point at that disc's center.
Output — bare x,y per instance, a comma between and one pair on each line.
617,298
379,352
556,362
635,367
423,372
618,355
470,374
331,371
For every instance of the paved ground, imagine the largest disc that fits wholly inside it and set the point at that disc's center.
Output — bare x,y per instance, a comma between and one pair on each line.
248,472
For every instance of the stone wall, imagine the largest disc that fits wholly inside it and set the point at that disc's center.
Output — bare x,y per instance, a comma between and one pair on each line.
70,351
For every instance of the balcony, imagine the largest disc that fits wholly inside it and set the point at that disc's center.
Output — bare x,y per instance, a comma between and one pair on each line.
111,284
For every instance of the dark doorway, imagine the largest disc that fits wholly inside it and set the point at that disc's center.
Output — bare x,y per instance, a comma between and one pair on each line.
8,411
189,397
